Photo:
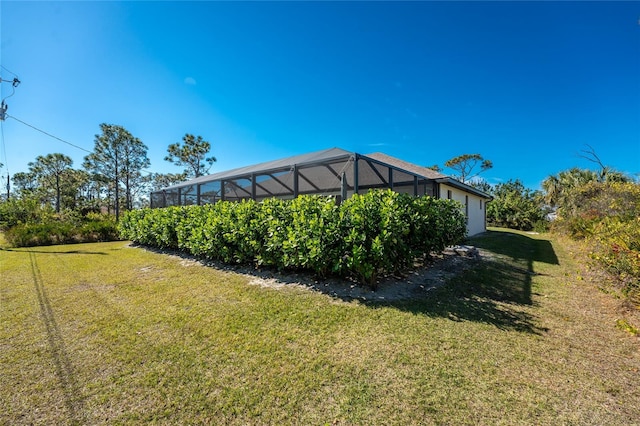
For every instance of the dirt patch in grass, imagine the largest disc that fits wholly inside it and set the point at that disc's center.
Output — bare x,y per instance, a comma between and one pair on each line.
413,284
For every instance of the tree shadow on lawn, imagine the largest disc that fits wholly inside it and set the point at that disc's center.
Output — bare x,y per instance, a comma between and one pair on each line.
498,289
490,292
28,250
517,247
64,369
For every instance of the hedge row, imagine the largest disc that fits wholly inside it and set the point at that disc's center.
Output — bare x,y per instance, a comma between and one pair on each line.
367,235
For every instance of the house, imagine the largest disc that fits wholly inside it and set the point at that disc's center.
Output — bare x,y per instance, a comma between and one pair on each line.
333,172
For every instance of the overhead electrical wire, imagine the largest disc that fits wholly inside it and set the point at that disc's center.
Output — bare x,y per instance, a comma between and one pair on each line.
14,83
8,70
49,134
61,140
3,113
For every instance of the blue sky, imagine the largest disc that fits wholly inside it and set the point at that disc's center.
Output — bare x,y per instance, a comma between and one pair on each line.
524,84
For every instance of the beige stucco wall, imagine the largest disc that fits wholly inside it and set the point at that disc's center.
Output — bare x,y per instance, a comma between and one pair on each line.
476,208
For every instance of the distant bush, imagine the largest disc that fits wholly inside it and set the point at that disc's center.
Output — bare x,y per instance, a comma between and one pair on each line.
16,211
98,227
59,229
377,233
607,216
516,207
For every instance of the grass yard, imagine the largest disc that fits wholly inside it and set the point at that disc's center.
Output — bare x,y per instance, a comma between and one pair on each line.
111,334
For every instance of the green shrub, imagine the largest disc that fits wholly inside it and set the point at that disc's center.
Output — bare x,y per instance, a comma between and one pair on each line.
40,234
155,228
314,236
56,231
377,228
368,235
97,229
607,216
616,246
16,211
515,207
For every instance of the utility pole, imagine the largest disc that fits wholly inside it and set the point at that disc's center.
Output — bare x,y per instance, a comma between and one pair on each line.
3,115
3,106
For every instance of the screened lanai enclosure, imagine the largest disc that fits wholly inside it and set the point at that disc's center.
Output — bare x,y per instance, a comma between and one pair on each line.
334,172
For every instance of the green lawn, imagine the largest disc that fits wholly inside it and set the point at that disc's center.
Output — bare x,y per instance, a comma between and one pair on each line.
111,334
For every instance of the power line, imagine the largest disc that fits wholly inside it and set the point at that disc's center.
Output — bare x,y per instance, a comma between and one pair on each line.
9,71
61,140
49,134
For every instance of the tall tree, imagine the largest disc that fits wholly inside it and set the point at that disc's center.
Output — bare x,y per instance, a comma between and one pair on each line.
25,183
162,180
76,188
552,190
465,165
482,185
135,160
49,170
119,158
192,155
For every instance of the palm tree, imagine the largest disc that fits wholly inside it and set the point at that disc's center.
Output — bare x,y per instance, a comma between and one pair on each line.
559,188
551,187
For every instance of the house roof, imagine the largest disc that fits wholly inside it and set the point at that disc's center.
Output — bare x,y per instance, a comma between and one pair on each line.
427,173
331,155
410,167
274,165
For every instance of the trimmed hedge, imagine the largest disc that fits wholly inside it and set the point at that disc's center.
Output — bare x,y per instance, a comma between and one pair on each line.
368,235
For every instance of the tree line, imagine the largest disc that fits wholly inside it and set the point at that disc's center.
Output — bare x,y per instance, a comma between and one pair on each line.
517,207
113,176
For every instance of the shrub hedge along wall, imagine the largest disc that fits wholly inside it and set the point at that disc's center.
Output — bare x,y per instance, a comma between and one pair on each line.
377,233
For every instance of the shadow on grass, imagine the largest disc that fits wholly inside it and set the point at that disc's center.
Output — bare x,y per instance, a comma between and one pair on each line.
491,292
517,246
63,367
26,250
496,291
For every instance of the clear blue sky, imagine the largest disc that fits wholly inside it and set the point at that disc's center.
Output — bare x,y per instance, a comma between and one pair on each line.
524,84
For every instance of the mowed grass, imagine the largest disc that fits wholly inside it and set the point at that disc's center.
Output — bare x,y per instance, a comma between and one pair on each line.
112,334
